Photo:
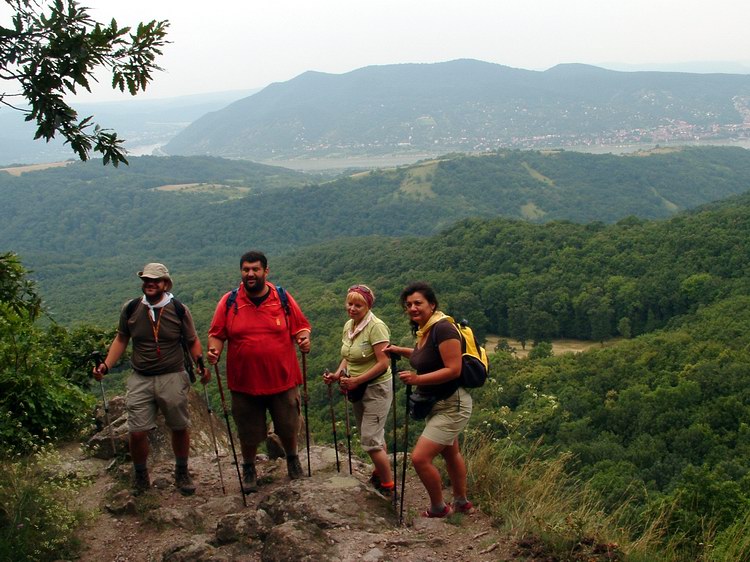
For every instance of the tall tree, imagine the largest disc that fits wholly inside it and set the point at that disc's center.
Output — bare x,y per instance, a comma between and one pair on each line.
53,48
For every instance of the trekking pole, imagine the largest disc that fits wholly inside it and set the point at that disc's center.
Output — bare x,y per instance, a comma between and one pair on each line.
211,424
229,430
394,366
333,425
307,421
406,448
348,427
98,360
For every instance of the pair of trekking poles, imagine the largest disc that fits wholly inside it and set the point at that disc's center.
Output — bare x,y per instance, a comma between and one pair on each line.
98,359
394,364
229,428
396,495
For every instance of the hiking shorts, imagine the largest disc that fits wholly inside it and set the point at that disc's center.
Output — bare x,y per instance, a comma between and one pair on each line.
448,418
167,393
371,414
249,413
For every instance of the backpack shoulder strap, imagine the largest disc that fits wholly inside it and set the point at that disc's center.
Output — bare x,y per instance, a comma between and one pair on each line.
461,339
284,298
231,301
179,308
131,306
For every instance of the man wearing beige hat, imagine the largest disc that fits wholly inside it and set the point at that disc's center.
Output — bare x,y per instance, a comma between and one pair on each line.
158,325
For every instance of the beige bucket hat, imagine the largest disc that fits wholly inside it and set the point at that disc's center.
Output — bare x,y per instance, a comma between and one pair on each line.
156,271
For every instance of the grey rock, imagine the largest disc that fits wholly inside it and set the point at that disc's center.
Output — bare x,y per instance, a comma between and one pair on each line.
299,541
196,549
123,503
219,506
162,482
201,440
373,555
328,504
185,519
235,527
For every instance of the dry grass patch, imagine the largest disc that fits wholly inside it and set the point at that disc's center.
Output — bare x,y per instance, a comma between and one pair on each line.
18,170
558,346
657,150
666,202
530,211
418,181
227,191
198,187
535,498
538,175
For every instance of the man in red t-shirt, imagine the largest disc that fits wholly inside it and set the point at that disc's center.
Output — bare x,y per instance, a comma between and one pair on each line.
262,369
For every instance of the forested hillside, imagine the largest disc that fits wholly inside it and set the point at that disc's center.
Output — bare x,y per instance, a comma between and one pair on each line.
188,207
658,422
468,105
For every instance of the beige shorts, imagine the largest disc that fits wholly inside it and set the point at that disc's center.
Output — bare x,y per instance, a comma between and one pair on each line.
167,393
371,414
448,418
249,413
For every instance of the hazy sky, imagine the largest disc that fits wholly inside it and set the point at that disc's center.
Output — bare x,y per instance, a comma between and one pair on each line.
227,45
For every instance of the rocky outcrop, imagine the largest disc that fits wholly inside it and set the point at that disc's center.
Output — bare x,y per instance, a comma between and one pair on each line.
331,515
297,520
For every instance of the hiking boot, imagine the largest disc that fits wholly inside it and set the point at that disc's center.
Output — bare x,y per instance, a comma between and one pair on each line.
294,468
141,482
374,479
183,481
385,489
249,478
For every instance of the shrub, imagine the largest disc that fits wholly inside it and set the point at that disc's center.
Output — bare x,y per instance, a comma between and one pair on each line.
37,520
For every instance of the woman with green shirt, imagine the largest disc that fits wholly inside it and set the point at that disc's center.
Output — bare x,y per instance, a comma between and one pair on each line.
364,375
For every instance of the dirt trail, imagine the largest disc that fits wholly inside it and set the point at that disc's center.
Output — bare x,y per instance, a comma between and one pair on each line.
147,528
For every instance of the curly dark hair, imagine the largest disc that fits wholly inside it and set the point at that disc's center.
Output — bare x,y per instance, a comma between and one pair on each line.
252,256
418,287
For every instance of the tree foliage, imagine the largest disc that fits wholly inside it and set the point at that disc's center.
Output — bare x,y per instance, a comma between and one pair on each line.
43,372
54,48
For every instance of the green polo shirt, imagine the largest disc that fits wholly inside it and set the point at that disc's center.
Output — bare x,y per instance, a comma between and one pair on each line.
359,353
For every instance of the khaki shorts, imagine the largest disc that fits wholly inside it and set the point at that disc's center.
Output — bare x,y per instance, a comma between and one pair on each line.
371,414
448,418
249,413
167,393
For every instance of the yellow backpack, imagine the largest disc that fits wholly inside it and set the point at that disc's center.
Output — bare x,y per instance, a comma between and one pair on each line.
475,366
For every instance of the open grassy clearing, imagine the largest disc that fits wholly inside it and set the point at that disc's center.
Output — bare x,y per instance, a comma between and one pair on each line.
530,211
558,346
229,192
418,180
538,175
18,170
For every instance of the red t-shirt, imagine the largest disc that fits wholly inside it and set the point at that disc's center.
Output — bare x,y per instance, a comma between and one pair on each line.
261,353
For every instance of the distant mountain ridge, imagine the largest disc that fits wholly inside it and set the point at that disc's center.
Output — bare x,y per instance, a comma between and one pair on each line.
144,124
469,105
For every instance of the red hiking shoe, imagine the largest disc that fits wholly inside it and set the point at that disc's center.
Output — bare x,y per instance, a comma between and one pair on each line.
465,508
445,513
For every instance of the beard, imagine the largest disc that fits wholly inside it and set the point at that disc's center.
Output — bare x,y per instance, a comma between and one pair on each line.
255,286
153,295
